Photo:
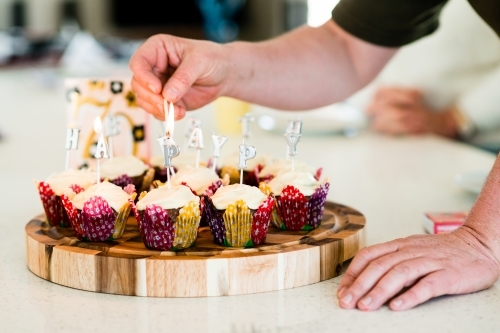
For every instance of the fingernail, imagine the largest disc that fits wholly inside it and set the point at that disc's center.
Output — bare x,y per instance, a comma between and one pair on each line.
346,299
366,301
341,291
171,94
152,88
397,303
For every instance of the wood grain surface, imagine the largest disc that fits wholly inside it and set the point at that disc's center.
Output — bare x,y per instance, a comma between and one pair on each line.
287,259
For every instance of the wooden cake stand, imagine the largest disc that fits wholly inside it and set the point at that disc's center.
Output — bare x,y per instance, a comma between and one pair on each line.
127,267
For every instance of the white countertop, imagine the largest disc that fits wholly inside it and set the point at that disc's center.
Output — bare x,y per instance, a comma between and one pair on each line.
391,181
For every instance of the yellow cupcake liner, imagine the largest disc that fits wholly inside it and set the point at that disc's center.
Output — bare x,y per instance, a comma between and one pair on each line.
186,226
234,174
122,217
238,223
275,216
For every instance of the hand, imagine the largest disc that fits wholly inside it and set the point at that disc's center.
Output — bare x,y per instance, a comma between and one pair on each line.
403,111
188,73
429,265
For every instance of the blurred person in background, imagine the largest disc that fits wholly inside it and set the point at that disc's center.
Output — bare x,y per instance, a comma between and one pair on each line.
446,84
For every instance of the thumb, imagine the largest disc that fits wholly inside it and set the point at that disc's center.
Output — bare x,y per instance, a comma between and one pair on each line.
181,80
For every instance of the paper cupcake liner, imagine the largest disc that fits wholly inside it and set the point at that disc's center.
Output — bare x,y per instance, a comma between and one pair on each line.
238,222
53,206
161,173
141,183
318,174
293,208
299,212
237,225
168,229
215,221
250,178
97,221
261,220
275,216
317,205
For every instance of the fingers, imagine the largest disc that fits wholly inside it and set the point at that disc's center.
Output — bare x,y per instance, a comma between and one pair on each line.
182,79
152,103
145,64
432,285
394,280
361,261
382,279
398,95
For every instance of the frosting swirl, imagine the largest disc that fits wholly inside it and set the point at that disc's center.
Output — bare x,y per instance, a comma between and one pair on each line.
302,180
60,182
168,198
123,165
114,195
198,179
227,195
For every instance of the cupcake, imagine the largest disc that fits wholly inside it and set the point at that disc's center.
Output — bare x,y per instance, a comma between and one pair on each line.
124,170
168,218
250,174
200,180
239,215
300,200
272,168
69,182
100,212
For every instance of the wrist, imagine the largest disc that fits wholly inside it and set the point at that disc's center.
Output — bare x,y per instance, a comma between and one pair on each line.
465,127
236,73
444,123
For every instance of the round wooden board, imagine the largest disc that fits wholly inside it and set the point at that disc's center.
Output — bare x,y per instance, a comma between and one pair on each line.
127,267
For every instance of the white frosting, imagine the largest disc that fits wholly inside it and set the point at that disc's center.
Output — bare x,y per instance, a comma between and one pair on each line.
122,165
302,180
114,195
281,165
168,198
227,195
60,182
233,160
198,179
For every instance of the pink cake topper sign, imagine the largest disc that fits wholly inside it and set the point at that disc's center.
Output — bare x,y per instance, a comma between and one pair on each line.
126,125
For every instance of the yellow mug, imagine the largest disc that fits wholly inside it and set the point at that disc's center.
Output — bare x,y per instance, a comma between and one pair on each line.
227,112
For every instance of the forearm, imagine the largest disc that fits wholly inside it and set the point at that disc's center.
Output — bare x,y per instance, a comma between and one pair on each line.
484,218
306,68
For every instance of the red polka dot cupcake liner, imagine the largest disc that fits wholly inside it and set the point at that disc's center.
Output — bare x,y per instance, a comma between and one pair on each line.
297,212
53,206
97,221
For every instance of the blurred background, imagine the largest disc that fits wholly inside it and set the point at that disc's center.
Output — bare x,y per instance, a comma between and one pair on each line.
36,29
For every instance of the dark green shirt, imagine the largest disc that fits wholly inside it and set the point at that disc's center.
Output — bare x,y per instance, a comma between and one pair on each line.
399,22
